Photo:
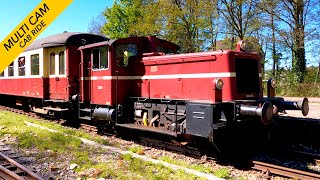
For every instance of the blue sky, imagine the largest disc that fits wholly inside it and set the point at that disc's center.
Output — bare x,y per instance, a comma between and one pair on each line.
75,18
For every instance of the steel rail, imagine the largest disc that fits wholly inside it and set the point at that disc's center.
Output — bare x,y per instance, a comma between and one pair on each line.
7,174
284,171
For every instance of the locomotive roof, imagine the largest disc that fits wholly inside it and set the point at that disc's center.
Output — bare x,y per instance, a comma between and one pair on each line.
109,42
103,43
66,38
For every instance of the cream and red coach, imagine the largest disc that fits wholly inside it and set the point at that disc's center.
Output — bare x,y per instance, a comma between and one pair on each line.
139,83
46,73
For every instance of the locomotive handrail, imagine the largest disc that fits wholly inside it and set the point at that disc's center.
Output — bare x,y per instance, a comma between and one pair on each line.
117,74
176,114
142,99
165,100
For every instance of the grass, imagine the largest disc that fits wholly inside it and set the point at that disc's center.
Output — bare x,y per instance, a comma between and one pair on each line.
129,167
197,167
222,173
136,149
58,147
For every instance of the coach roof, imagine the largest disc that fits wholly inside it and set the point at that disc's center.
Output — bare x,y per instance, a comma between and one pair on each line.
66,38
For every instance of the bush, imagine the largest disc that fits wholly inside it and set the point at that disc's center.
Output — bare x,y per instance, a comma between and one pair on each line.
298,90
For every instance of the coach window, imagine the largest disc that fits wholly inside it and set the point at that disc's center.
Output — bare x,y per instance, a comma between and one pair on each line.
124,52
52,63
22,68
2,74
35,64
100,58
11,69
61,63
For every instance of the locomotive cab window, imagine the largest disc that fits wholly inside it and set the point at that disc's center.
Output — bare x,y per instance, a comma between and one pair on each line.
52,63
124,52
11,69
100,58
165,50
61,63
22,68
2,74
35,64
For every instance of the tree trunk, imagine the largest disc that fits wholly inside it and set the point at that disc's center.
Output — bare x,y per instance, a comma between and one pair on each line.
273,46
298,53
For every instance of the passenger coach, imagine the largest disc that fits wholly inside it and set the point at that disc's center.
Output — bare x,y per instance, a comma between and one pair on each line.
47,71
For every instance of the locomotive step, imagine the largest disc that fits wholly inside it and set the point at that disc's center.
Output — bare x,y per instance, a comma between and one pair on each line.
86,110
148,128
87,118
55,109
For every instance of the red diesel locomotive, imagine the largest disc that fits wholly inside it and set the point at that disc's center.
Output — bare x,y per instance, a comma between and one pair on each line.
141,83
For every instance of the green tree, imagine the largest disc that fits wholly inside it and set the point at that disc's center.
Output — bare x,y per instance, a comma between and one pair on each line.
297,21
189,23
242,17
121,17
96,24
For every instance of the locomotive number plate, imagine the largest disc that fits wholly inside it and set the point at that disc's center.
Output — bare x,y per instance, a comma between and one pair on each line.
154,68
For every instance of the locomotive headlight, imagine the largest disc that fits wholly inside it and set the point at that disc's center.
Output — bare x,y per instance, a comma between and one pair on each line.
243,45
273,83
219,83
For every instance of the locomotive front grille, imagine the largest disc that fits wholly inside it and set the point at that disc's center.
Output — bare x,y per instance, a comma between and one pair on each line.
247,75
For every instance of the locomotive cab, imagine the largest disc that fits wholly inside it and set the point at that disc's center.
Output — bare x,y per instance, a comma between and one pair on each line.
107,72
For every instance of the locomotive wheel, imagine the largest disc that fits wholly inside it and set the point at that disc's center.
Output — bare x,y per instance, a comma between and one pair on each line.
181,140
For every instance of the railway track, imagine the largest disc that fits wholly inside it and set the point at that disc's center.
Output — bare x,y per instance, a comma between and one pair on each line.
283,171
10,169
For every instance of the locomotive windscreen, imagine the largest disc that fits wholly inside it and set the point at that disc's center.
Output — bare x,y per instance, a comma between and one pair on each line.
247,75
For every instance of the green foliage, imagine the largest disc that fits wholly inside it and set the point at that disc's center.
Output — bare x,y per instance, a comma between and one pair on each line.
135,149
299,90
81,157
127,157
222,173
120,18
147,170
287,85
187,23
312,75
44,140
198,167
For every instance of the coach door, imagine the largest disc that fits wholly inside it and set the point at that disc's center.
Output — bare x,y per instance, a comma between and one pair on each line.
122,77
57,74
100,76
86,75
